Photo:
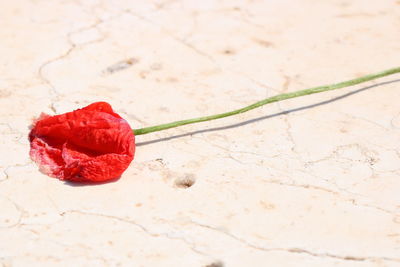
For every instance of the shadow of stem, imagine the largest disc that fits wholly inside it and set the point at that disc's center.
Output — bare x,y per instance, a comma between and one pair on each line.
265,117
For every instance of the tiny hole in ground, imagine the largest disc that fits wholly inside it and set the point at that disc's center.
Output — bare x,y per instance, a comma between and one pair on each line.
186,181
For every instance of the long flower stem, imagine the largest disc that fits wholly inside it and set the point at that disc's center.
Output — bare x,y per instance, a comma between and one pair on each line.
269,100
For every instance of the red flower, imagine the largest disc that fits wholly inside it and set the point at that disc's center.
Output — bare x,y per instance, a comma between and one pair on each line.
92,144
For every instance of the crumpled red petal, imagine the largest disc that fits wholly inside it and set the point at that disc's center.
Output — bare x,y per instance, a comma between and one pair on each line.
92,144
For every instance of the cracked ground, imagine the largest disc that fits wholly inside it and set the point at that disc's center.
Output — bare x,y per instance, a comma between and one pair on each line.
312,181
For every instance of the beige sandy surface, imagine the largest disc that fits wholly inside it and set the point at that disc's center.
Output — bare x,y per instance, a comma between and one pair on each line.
316,185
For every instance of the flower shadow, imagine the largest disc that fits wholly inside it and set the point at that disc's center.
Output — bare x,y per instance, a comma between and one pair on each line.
80,184
267,116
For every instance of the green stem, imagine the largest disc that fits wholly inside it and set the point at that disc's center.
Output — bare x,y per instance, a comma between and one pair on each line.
269,100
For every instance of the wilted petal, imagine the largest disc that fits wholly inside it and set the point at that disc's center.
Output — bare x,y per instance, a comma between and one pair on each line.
92,144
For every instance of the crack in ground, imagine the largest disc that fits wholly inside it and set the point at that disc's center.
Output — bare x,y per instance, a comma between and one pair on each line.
231,153
295,249
11,131
20,210
286,116
198,51
350,195
141,227
336,193
364,119
5,170
393,122
369,158
171,35
72,47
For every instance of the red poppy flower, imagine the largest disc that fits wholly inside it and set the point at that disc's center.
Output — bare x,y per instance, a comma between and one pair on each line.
92,144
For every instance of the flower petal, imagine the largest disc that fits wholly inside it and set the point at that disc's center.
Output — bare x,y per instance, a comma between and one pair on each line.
92,144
